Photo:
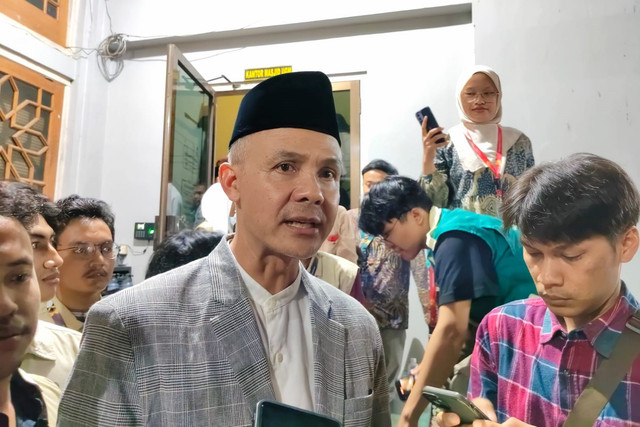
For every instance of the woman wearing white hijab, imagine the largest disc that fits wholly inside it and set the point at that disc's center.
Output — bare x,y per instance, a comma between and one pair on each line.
482,158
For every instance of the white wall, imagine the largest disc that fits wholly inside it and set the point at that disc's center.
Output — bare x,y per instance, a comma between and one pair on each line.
571,77
134,107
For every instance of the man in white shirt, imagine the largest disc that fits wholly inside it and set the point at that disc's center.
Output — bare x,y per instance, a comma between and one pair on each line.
202,344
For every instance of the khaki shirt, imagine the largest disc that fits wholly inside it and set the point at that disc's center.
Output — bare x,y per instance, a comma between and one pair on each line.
59,314
334,270
52,352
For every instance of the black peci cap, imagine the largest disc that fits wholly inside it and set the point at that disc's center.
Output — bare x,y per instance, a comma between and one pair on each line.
302,100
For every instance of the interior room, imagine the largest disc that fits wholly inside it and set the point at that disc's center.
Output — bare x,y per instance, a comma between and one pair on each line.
570,75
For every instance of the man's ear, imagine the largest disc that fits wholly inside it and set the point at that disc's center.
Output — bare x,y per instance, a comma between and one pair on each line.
418,215
229,181
629,242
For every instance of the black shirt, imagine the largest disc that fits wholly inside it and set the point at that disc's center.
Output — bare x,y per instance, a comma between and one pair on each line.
27,402
464,270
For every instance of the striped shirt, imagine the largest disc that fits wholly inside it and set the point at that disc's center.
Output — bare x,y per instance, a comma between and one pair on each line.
530,368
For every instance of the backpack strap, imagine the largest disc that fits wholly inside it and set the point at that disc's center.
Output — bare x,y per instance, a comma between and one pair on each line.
607,377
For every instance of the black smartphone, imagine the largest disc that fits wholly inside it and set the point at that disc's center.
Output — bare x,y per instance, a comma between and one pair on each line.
275,414
450,401
431,123
404,386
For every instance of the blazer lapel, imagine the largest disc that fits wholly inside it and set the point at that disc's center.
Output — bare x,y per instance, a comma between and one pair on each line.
235,328
329,353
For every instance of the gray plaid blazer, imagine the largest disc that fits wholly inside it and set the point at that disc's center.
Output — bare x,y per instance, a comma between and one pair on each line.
183,349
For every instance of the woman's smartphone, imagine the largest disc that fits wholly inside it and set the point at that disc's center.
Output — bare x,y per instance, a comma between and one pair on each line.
450,401
431,123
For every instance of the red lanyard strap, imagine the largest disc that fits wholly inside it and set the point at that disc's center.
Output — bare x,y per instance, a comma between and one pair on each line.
493,167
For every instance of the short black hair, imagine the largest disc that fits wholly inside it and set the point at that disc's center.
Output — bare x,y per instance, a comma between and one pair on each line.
182,248
74,207
381,165
573,199
392,198
24,203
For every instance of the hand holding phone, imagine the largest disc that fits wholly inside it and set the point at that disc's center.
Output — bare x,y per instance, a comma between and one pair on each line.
450,401
431,121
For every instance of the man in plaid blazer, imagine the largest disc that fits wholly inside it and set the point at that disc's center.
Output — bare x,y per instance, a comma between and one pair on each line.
202,344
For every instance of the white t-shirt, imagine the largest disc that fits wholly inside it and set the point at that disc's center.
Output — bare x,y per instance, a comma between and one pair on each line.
284,321
215,206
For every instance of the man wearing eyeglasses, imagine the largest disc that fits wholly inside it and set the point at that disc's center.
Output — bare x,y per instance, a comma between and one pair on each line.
54,348
84,240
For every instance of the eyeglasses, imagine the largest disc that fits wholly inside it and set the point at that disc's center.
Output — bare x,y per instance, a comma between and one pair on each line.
386,234
108,250
486,96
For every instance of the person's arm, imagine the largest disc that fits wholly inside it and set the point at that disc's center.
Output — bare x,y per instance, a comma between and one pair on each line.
103,388
464,272
429,146
434,176
441,354
420,273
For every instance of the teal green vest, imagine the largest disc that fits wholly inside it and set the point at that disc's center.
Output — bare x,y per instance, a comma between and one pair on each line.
514,280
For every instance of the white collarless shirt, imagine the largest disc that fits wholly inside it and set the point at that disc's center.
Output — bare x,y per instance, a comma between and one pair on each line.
284,322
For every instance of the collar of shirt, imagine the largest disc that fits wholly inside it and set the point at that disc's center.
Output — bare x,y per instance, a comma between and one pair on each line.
434,219
602,332
264,298
27,401
43,343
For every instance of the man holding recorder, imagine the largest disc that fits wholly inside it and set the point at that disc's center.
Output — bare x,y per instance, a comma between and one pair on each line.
533,358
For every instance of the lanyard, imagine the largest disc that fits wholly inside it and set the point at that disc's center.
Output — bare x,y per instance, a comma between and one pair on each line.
493,167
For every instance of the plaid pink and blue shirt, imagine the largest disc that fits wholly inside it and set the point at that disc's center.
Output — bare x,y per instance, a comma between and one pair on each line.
531,369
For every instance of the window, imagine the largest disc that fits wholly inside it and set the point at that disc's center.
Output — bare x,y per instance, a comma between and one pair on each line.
30,110
46,17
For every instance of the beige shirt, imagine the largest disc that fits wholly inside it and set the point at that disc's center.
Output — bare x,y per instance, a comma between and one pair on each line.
343,238
52,353
334,270
284,321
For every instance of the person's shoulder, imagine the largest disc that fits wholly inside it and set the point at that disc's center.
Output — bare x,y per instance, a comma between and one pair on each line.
343,306
530,310
338,262
172,286
521,137
59,332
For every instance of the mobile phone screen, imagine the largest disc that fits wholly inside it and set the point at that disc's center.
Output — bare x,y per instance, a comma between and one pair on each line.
276,414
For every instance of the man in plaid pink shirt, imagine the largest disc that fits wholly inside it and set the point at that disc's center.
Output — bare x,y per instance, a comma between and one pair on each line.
534,357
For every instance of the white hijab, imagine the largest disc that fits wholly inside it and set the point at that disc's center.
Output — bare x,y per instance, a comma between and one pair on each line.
484,135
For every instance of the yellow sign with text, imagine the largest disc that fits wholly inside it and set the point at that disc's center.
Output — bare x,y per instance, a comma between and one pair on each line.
265,73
